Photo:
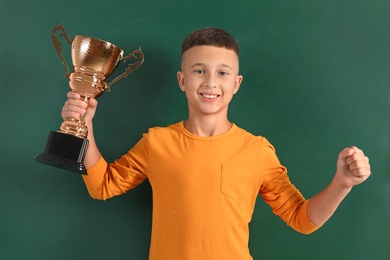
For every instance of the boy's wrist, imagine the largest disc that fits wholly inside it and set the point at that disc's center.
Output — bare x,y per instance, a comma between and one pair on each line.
339,185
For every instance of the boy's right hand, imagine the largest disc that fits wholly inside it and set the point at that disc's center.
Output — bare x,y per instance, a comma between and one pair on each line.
74,107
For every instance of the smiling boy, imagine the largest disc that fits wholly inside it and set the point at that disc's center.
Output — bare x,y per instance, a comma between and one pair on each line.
206,172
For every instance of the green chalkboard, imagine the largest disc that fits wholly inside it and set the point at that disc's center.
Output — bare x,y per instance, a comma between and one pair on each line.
316,79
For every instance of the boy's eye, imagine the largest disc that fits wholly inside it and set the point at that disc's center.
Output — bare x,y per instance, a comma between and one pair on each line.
199,71
223,73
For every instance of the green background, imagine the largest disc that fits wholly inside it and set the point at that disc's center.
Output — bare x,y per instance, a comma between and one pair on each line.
316,80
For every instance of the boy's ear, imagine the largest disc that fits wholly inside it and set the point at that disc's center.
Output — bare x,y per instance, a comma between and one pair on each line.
239,79
180,80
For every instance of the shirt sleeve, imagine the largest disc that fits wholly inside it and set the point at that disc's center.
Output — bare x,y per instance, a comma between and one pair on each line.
104,180
282,196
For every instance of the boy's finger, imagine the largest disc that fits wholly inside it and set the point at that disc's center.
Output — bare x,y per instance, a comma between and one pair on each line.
72,94
345,153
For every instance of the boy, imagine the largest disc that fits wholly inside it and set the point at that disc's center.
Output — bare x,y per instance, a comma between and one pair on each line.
206,172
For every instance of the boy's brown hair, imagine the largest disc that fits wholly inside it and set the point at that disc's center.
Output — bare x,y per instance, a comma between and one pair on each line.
210,37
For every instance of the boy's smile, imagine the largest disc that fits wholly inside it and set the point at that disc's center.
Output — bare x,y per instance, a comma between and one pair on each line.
209,97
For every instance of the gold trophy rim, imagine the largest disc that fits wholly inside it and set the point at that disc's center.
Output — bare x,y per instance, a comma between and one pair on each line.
96,39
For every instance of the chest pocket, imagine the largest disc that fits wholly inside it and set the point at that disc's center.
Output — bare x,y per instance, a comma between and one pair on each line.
234,180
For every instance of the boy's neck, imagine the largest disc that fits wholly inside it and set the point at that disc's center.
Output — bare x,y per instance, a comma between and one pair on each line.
209,126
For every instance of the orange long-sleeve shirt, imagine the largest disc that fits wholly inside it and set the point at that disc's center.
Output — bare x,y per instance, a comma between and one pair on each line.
204,190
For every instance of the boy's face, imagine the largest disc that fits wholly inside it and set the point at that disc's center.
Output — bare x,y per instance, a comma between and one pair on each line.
209,78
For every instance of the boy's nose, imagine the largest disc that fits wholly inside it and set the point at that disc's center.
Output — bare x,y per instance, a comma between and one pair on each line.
210,82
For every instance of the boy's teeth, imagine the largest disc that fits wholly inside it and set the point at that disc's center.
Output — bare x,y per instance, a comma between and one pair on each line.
210,96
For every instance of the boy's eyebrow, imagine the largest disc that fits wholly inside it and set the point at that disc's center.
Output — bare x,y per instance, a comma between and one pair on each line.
197,64
203,65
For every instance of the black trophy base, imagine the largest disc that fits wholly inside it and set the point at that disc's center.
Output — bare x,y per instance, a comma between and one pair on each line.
64,151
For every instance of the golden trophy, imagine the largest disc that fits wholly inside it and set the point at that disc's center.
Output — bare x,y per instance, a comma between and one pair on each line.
93,61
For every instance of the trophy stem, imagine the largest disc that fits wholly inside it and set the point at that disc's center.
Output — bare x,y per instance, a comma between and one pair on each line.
76,126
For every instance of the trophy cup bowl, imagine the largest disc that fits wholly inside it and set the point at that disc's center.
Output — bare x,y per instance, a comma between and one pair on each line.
93,61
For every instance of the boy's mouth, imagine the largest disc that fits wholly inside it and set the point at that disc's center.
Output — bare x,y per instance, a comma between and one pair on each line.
209,96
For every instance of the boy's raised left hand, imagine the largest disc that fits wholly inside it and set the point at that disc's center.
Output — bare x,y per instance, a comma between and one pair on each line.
353,167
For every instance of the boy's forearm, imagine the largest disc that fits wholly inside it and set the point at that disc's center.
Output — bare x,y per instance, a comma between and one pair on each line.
322,206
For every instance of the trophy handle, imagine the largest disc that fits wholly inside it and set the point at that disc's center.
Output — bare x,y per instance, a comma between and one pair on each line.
130,68
57,45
